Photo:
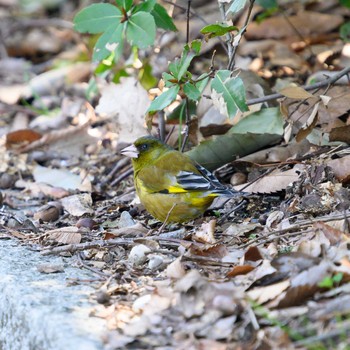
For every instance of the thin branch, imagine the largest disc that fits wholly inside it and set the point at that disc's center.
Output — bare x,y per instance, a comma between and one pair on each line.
121,177
231,63
315,86
195,14
188,122
187,103
228,36
188,21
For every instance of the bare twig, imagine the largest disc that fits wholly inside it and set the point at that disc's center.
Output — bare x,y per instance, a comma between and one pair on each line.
195,14
289,231
121,177
119,165
231,62
228,36
72,248
188,122
187,106
188,21
161,125
315,86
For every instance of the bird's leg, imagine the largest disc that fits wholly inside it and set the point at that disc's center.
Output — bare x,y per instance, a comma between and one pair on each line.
166,219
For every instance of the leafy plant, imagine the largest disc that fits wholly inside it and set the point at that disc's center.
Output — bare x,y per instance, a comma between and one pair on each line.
331,281
134,23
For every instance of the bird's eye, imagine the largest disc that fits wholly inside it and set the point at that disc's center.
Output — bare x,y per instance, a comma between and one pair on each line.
143,147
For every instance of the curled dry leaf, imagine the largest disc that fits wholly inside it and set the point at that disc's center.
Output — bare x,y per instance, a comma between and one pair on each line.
20,138
37,189
304,285
253,254
214,251
176,269
206,233
135,230
78,205
263,294
240,270
341,168
334,235
309,125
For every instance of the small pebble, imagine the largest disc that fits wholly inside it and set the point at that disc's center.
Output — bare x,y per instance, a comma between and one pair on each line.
126,220
87,223
137,255
7,180
155,262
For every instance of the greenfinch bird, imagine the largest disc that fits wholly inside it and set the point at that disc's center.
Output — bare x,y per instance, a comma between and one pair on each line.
170,185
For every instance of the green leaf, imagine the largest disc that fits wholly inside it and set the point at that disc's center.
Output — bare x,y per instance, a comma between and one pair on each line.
266,14
345,3
191,91
111,41
185,60
141,30
256,131
269,4
345,32
337,278
236,6
168,79
327,282
230,93
92,89
146,6
120,74
179,66
163,100
174,68
146,78
202,83
97,18
196,46
125,4
214,30
105,65
179,113
162,19
265,121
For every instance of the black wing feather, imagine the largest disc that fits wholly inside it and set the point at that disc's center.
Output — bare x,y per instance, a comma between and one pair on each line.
205,181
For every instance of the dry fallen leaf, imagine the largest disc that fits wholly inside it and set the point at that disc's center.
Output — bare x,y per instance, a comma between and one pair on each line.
206,233
275,181
240,270
78,205
65,235
20,138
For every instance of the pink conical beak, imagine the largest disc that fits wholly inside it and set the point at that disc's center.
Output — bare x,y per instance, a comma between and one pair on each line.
130,151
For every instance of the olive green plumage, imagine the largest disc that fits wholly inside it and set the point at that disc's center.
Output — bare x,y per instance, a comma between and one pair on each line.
171,185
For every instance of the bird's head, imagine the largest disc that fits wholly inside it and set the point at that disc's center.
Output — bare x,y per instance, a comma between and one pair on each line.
144,151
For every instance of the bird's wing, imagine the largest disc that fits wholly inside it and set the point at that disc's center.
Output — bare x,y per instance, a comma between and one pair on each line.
204,180
163,173
176,173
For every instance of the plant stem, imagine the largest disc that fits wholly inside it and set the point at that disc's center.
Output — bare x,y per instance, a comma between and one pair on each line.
231,63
